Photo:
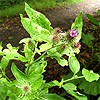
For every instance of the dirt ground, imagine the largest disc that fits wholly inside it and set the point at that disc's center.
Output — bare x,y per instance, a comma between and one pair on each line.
12,31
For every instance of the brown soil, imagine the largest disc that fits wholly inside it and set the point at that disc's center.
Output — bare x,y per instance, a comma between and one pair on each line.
12,31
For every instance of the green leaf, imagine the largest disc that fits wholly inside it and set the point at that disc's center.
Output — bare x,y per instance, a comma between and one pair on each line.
90,75
4,62
92,19
74,64
12,53
98,12
38,17
99,98
3,88
63,62
37,67
69,87
87,39
73,1
91,88
53,53
1,46
19,75
36,81
52,97
56,82
45,46
35,30
78,24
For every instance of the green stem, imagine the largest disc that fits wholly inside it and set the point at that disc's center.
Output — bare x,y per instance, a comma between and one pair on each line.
73,78
3,74
7,78
40,57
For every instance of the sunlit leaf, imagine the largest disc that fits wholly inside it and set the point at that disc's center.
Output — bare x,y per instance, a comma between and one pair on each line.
90,75
37,17
4,62
36,32
74,64
45,46
19,75
70,88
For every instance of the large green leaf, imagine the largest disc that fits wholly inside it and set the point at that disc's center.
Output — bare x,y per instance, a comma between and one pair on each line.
53,53
52,97
37,17
74,64
90,75
37,32
37,67
91,88
19,75
3,88
36,81
70,87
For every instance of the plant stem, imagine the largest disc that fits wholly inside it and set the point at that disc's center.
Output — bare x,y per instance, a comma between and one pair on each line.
4,75
73,78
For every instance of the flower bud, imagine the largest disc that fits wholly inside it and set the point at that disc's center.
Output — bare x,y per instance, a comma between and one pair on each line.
63,47
26,88
57,31
55,38
77,45
73,33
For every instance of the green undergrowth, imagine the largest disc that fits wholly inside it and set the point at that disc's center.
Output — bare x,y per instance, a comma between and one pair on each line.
15,10
19,8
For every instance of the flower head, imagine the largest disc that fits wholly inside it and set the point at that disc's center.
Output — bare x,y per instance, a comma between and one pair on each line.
77,45
55,38
26,88
57,31
73,33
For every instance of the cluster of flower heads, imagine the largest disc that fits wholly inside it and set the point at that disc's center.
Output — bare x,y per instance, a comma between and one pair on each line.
59,35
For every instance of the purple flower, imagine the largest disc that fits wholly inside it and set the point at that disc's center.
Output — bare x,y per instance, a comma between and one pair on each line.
73,33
